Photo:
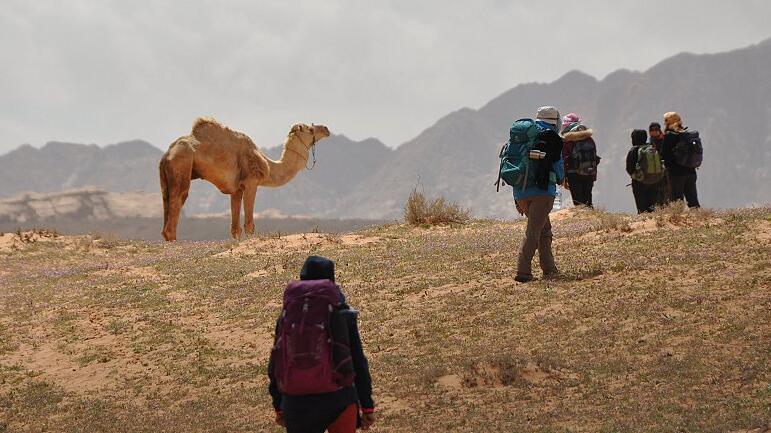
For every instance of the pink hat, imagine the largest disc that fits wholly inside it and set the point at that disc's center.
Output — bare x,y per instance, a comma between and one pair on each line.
570,118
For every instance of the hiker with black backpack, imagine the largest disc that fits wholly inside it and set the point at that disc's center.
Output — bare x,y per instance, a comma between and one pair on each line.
643,163
682,153
579,154
531,162
319,376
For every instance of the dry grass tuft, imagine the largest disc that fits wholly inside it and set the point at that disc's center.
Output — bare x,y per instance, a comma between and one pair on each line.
419,211
499,370
604,220
104,240
32,236
673,213
677,213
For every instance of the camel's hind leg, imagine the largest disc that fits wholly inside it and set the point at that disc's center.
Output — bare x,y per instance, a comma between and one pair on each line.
249,193
235,210
177,171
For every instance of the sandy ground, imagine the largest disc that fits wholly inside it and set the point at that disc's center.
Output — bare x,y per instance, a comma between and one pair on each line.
297,242
447,331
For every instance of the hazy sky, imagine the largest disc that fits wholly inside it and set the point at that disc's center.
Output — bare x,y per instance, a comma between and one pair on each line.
104,71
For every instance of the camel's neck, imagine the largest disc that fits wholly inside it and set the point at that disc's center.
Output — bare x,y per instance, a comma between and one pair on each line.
293,159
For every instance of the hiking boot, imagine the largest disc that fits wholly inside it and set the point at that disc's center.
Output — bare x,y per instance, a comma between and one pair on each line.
552,275
522,278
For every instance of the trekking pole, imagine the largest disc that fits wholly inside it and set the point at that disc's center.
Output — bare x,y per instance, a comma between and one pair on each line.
498,182
500,167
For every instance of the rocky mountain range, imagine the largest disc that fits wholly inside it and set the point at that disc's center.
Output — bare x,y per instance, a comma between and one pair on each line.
726,96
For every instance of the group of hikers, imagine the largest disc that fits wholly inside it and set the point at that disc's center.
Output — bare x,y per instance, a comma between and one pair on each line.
553,150
663,167
319,375
662,164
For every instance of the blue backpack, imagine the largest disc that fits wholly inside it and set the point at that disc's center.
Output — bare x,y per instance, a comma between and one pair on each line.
516,167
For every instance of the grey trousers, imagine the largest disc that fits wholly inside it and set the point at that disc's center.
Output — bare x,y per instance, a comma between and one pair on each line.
538,235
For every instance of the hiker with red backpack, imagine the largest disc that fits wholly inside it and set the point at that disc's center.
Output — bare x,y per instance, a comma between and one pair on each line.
531,162
579,154
319,376
682,153
643,163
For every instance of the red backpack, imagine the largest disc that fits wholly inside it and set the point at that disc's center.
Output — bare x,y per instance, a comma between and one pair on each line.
312,353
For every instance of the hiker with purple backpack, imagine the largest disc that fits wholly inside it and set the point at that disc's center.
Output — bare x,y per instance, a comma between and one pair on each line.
682,153
319,376
579,155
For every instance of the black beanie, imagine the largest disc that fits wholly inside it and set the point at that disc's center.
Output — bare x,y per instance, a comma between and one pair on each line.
639,137
318,268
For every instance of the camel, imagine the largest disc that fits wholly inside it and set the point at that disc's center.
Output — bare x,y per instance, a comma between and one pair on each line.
231,161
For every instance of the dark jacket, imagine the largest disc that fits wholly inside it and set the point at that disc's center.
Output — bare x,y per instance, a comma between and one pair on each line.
671,138
638,139
656,143
550,142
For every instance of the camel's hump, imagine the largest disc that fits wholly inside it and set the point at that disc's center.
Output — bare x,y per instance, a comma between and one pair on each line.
205,124
207,129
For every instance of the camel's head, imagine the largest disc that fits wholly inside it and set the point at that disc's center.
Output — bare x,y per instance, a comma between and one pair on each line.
309,135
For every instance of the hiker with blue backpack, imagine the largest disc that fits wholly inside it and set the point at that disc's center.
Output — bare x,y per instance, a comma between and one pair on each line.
682,153
579,155
643,163
531,162
319,376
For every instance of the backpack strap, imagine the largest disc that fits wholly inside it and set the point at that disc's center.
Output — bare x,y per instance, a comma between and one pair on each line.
500,155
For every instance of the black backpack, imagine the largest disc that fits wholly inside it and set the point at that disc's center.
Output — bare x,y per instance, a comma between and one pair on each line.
583,158
688,151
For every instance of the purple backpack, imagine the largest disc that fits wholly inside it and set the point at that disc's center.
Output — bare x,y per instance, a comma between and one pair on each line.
312,353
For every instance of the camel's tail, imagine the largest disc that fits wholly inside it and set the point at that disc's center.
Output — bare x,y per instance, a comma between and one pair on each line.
164,189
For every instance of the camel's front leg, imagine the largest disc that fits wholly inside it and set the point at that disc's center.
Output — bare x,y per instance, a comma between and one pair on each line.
235,210
249,193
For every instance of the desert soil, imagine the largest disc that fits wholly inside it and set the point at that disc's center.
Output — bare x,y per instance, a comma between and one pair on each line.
657,324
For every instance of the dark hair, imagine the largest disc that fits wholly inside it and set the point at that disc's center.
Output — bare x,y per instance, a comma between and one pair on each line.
318,268
654,126
639,137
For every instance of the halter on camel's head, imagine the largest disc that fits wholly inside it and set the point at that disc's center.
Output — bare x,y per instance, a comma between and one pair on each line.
308,136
